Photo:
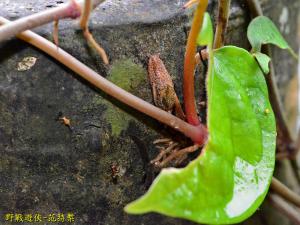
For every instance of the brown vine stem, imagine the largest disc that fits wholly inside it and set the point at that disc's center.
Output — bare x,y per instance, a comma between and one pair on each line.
255,8
286,139
193,132
87,34
55,32
89,37
222,21
190,3
283,207
285,192
72,10
189,65
84,20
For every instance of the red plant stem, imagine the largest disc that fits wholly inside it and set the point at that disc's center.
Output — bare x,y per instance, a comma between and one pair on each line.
189,65
197,133
72,10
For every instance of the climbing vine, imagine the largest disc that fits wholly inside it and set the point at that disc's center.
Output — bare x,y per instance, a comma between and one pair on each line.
229,180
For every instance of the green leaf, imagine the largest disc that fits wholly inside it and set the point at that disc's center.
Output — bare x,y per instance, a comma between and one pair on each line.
261,31
205,37
231,177
263,61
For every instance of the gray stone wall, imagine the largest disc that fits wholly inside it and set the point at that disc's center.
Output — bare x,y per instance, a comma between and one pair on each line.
46,167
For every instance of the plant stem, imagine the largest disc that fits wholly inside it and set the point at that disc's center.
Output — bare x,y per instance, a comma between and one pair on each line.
88,4
55,32
72,10
255,8
89,37
197,133
286,138
283,207
189,65
223,14
285,192
190,3
296,169
84,19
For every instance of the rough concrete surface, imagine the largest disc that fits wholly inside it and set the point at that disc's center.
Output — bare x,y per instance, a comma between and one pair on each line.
46,167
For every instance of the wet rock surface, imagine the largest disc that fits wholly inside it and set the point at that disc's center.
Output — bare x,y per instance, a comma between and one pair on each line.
96,166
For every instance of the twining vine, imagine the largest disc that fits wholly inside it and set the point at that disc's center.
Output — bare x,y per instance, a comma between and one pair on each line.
227,152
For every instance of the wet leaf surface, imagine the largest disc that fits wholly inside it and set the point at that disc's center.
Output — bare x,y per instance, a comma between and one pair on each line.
231,177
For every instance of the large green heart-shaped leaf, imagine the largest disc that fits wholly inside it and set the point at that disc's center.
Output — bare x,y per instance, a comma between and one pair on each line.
231,177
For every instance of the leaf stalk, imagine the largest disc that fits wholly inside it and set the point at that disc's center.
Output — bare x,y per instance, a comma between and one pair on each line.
189,65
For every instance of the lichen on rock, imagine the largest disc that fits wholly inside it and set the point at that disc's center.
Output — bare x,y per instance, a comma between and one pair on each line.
129,76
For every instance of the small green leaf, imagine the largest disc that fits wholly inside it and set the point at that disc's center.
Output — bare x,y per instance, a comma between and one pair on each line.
205,36
231,177
263,61
261,31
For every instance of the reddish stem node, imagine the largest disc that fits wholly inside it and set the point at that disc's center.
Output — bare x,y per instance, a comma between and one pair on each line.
74,10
